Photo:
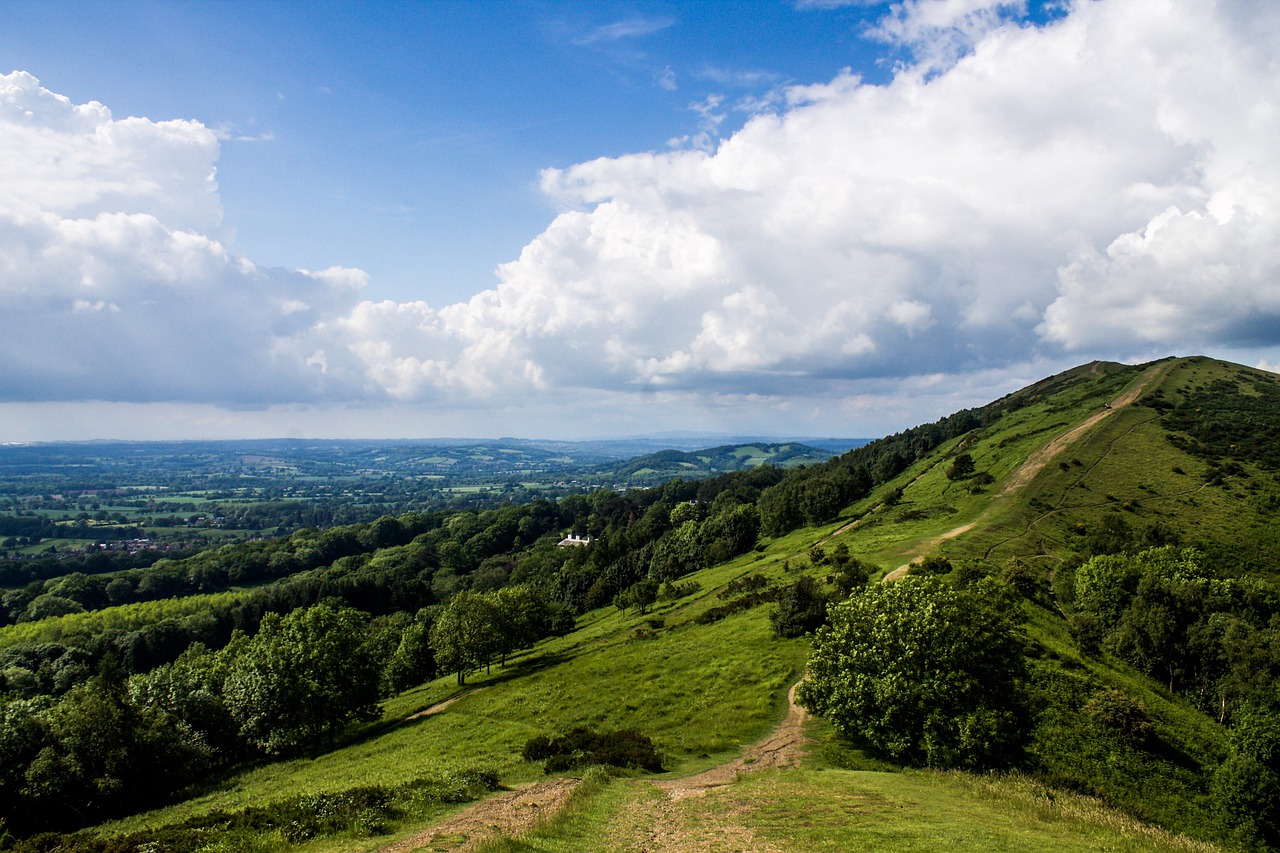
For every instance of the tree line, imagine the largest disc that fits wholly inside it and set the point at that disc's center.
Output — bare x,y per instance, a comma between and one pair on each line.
115,743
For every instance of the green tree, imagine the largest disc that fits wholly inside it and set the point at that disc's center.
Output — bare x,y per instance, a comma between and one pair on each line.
680,551
520,618
801,608
303,678
1247,785
925,673
731,532
191,691
465,635
962,466
412,661
640,595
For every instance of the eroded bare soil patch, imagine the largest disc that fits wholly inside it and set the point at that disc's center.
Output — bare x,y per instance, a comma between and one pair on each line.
506,815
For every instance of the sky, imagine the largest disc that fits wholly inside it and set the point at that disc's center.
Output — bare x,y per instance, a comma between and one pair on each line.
552,219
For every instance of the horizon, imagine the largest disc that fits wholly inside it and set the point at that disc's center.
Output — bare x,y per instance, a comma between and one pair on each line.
563,220
461,441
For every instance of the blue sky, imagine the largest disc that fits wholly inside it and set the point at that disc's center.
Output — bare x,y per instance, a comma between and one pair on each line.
560,219
406,138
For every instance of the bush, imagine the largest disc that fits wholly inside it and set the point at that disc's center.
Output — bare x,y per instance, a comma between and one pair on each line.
1247,785
850,575
934,564
1087,630
801,608
362,812
1121,714
581,747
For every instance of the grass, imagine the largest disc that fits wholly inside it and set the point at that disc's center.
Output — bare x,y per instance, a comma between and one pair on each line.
828,809
701,693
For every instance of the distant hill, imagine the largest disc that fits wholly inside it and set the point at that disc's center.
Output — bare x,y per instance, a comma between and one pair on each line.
659,467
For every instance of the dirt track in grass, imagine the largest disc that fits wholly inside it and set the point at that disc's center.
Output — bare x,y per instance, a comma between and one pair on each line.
506,815
1035,463
514,813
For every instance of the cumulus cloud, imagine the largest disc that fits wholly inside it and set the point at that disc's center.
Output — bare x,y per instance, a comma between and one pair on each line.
1101,185
940,31
111,285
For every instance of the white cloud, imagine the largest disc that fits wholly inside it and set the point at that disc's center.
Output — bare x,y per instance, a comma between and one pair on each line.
111,285
1100,183
76,160
938,32
1104,186
628,28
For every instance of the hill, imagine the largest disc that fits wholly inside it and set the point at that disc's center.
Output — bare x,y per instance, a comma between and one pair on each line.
1128,513
654,468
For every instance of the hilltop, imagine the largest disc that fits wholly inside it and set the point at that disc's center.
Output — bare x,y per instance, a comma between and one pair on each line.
1127,512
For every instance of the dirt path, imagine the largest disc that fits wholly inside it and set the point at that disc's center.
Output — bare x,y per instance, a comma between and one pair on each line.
782,748
440,706
925,547
673,830
514,813
505,815
1036,461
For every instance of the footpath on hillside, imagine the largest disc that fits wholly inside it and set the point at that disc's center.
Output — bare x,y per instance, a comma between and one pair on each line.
1036,462
514,813
505,815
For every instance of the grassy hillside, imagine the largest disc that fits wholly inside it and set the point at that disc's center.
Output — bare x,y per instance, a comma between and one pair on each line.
1043,480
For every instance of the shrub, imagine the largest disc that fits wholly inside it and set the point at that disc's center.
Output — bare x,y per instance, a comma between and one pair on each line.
582,747
801,608
1121,714
924,673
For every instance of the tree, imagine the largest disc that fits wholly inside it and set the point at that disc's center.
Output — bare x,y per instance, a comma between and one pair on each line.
520,618
302,678
680,551
1247,785
924,672
731,532
801,608
412,662
465,636
190,690
640,595
962,466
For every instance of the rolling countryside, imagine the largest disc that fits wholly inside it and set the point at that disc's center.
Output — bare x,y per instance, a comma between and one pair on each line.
1050,622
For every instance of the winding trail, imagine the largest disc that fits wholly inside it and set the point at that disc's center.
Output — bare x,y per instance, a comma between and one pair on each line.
1035,463
783,747
514,813
669,828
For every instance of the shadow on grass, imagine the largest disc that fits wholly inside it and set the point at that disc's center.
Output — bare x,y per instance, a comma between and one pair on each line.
499,675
